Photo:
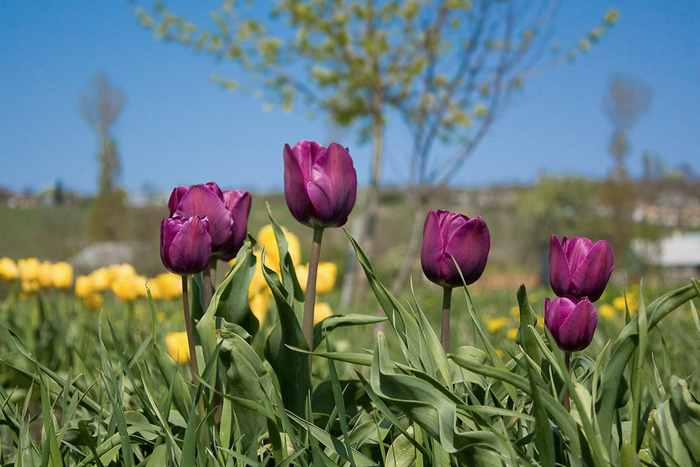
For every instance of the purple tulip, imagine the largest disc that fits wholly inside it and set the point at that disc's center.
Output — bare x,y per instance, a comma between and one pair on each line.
185,244
237,202
450,234
204,201
320,184
572,322
579,268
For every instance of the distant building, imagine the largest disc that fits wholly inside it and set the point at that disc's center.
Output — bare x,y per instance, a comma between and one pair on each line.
678,255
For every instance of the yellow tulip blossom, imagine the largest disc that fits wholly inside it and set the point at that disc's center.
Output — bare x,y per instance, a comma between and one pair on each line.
83,286
178,348
93,301
44,276
258,283
101,279
125,288
512,333
166,286
28,269
322,311
496,324
260,304
607,310
62,275
325,277
119,271
266,238
8,270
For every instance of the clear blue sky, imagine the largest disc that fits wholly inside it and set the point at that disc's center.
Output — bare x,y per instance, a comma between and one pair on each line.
178,128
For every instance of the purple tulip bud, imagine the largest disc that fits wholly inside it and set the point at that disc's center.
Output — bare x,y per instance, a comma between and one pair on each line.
579,268
572,322
204,201
450,234
320,184
237,202
185,244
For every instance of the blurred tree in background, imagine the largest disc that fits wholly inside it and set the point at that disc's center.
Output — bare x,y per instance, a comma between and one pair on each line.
625,101
445,68
100,106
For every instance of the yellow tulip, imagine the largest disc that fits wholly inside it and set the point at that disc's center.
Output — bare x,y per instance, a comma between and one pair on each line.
607,310
101,279
258,284
93,301
166,286
266,238
512,333
321,312
260,304
178,348
120,271
125,289
44,276
325,277
28,269
496,324
8,270
83,286
62,275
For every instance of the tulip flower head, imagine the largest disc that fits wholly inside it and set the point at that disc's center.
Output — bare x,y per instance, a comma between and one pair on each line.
226,212
450,234
237,203
579,268
185,244
571,322
320,184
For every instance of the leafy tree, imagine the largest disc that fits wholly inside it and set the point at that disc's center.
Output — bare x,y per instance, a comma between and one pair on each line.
446,68
100,106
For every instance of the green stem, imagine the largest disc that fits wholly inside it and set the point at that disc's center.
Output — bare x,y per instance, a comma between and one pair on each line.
209,282
445,328
567,360
188,327
310,296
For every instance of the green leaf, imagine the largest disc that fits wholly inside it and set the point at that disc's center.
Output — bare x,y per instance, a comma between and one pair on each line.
325,327
233,304
525,337
624,348
291,367
246,378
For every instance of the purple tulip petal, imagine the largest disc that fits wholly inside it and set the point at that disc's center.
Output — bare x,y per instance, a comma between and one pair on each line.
469,244
433,248
185,245
593,272
237,202
295,185
559,273
175,198
201,201
577,329
576,250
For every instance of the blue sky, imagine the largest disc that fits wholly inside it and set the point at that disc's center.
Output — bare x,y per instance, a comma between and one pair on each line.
178,128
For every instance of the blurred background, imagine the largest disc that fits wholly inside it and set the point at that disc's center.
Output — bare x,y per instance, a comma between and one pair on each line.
572,118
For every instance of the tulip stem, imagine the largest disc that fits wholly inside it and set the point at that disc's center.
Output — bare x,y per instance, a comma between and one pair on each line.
445,329
209,282
188,328
567,361
310,296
